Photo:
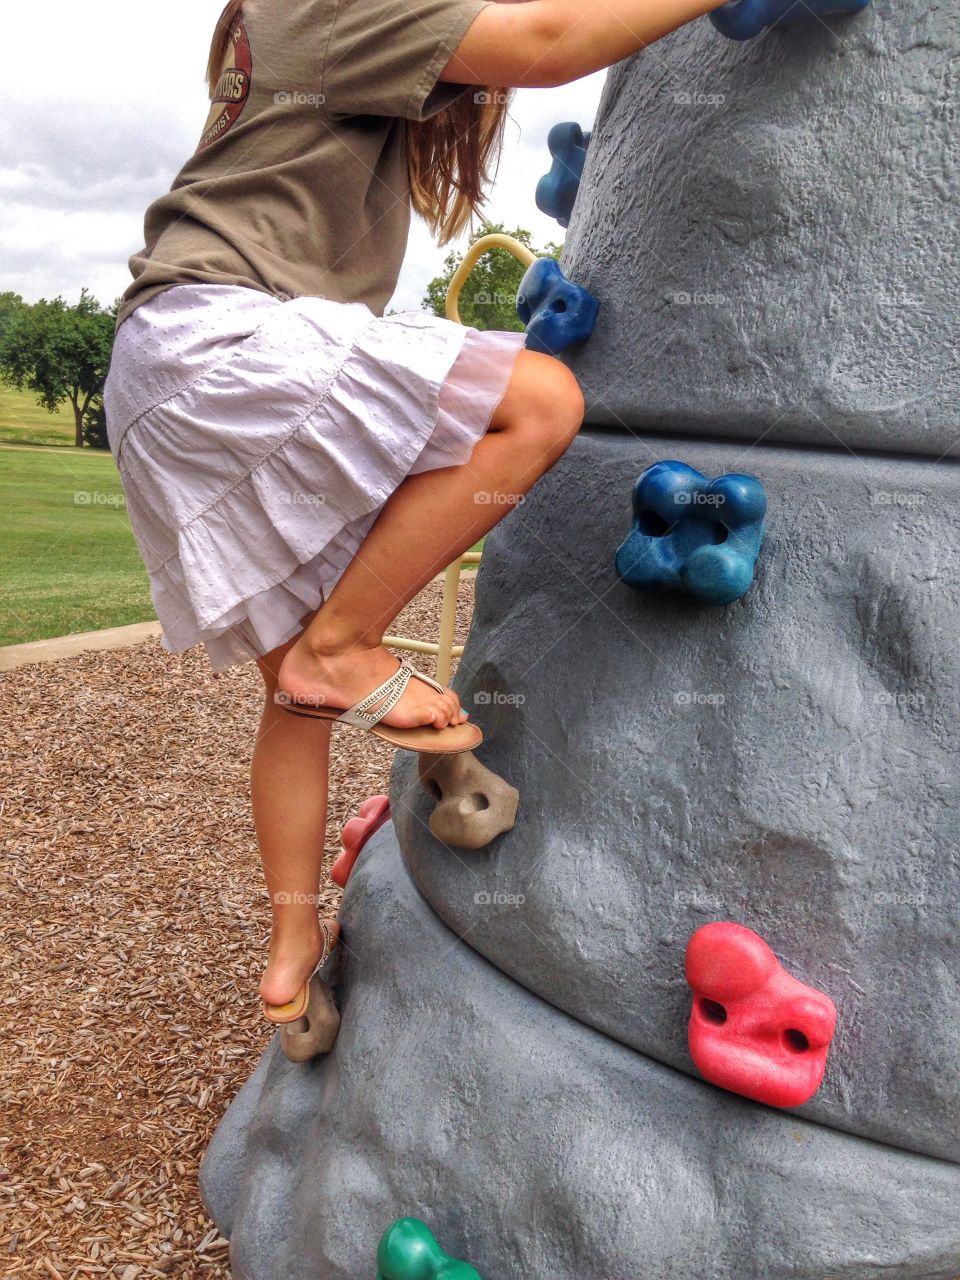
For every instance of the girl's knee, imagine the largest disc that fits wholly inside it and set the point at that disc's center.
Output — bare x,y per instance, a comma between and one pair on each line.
559,409
570,406
543,399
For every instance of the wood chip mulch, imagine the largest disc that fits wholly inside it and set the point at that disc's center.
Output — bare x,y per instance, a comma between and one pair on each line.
133,927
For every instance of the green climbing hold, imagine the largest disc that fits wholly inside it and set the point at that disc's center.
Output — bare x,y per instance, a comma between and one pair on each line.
409,1252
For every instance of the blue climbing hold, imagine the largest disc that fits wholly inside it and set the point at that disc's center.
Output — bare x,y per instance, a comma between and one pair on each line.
555,311
744,19
557,190
693,534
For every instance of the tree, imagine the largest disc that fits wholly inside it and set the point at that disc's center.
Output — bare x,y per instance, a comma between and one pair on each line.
59,353
95,426
10,304
488,300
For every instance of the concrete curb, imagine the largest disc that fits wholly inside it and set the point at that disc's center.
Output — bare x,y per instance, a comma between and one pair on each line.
22,655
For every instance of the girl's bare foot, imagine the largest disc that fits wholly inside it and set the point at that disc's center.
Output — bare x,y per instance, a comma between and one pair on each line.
291,962
340,678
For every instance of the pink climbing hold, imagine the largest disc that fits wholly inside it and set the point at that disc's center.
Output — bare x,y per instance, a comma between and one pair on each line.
754,1029
374,812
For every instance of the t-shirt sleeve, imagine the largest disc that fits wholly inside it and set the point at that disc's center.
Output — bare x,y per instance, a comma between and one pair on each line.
384,56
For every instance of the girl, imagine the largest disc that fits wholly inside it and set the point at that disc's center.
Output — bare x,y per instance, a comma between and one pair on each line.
298,466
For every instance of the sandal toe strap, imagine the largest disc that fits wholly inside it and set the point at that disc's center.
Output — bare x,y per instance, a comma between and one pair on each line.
435,684
389,693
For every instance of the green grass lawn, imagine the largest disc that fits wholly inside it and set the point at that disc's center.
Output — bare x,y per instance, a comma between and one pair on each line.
68,561
23,421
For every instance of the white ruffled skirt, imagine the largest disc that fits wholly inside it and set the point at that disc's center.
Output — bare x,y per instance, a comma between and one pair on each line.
257,441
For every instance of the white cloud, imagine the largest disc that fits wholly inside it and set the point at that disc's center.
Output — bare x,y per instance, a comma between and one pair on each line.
102,103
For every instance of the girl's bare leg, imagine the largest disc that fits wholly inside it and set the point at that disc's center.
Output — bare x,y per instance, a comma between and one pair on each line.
429,520
288,784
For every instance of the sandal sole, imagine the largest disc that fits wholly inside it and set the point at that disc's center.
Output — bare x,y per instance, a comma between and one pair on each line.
426,741
298,1006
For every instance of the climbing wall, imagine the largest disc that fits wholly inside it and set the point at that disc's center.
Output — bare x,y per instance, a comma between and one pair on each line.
772,231
735,852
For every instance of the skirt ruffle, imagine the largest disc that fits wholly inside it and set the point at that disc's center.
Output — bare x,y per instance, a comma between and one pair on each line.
255,464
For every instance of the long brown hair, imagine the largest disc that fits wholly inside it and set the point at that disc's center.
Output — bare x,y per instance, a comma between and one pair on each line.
450,156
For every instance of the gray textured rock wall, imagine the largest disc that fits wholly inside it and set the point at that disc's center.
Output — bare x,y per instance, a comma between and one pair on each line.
772,231
535,1147
791,762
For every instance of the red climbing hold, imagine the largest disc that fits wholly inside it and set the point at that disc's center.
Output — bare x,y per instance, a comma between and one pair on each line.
754,1029
374,812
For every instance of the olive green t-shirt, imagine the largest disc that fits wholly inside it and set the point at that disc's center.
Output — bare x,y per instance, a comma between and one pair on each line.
299,184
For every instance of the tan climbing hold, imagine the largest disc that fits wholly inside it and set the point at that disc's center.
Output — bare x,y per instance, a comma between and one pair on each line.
474,805
317,1030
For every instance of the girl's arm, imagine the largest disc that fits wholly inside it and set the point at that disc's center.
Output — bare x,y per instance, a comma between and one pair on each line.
543,43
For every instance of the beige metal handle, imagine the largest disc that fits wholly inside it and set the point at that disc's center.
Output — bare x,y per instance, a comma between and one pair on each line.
445,649
496,240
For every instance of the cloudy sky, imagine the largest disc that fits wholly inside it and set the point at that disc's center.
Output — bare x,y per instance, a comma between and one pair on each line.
101,103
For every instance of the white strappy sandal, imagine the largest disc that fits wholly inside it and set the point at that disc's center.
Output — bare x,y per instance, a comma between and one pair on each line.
453,738
310,1021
